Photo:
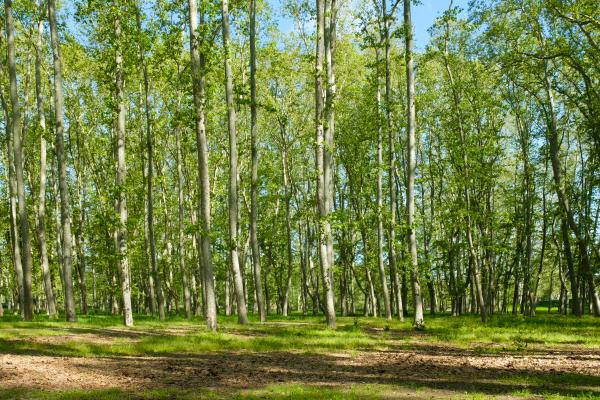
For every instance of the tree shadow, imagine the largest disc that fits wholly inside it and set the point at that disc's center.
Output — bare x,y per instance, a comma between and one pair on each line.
228,371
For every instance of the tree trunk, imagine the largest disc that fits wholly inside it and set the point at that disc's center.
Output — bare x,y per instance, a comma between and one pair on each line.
17,127
254,174
233,172
288,218
210,306
41,209
65,212
392,257
180,222
565,208
380,262
322,162
121,176
156,276
12,193
80,227
533,299
412,166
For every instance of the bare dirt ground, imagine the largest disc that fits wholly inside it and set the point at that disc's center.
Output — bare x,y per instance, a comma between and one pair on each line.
444,370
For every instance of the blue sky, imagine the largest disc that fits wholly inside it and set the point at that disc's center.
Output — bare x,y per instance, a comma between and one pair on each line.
423,15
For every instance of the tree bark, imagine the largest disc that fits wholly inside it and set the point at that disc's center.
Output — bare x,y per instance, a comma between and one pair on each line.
65,211
12,193
121,176
254,173
380,261
154,270
324,225
180,221
22,221
41,209
233,171
412,166
288,224
392,190
199,82
566,213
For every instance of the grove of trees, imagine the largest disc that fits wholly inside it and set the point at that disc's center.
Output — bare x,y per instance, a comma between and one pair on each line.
191,157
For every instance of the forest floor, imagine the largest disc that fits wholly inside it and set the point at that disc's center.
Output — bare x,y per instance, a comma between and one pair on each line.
547,356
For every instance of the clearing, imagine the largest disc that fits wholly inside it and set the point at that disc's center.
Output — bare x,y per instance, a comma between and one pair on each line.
547,356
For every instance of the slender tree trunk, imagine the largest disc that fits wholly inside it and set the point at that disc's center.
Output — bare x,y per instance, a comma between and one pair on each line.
254,173
565,208
23,222
210,306
380,261
324,226
80,248
12,193
181,239
392,256
288,219
412,166
65,212
151,287
41,209
328,154
121,176
80,228
533,299
156,276
233,172
563,202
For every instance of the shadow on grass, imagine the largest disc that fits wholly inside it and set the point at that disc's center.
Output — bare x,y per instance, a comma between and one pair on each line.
278,359
231,372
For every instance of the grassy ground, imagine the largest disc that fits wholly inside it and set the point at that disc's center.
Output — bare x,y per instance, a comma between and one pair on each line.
297,358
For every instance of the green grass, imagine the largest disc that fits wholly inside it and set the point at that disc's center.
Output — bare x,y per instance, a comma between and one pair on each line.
104,336
297,333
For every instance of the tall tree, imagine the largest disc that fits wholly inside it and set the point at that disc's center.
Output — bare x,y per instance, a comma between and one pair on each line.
156,278
123,258
17,142
41,208
323,164
392,188
65,207
380,232
199,83
254,169
412,165
233,170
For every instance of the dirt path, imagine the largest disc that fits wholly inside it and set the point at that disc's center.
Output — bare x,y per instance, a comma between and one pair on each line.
567,372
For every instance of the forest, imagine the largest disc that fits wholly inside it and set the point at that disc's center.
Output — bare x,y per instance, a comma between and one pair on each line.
299,199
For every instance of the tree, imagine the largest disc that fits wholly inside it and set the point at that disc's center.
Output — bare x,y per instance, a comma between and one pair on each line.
412,165
149,170
121,234
254,174
65,212
323,156
41,208
233,171
210,308
17,143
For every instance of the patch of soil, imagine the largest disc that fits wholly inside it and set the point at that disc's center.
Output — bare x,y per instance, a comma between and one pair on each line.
443,368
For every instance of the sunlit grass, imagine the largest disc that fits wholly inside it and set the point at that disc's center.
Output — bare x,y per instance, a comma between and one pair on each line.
279,392
103,335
